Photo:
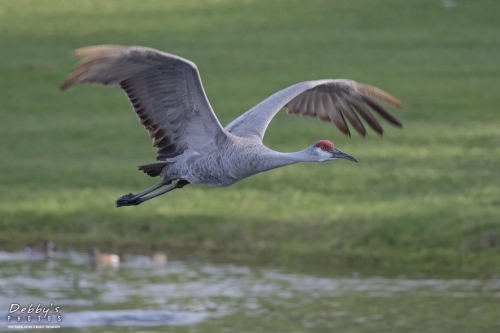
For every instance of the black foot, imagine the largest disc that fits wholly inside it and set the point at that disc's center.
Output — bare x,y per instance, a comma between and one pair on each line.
181,183
127,200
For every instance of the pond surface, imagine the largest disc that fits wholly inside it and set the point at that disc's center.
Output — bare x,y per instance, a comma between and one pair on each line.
192,296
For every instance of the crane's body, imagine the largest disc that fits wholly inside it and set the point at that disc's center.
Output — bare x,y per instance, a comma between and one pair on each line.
236,159
192,147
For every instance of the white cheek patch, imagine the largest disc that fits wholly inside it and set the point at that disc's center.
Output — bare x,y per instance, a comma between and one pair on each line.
324,156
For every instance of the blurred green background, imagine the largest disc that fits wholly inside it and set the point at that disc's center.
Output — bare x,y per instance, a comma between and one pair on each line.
426,197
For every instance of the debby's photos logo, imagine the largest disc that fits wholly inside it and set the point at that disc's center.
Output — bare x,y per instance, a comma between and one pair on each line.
34,316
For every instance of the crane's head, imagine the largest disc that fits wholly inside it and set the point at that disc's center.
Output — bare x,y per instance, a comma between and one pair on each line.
326,151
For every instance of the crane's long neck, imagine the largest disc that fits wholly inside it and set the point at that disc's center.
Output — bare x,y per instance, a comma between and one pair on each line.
249,158
274,159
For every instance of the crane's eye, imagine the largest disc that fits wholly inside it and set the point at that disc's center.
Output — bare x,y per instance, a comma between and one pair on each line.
323,147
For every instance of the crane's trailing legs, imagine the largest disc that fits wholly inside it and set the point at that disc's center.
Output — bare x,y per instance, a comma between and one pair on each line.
136,199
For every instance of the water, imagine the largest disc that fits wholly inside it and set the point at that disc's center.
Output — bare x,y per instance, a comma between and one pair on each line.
192,296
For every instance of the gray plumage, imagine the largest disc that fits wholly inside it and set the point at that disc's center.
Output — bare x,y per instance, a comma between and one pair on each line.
192,146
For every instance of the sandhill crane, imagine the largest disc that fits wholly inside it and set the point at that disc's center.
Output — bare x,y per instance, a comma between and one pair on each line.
192,147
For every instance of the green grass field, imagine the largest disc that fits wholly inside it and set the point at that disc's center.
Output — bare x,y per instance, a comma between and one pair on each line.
425,197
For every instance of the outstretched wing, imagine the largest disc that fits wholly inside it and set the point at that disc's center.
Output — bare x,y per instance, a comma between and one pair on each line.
165,91
328,100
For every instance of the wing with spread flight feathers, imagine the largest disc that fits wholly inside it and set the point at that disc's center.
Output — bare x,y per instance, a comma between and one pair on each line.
329,100
165,91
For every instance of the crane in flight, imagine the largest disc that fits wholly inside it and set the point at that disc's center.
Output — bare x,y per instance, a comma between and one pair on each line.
167,95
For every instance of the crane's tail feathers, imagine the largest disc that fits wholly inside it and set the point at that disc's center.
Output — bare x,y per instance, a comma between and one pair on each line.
153,169
377,93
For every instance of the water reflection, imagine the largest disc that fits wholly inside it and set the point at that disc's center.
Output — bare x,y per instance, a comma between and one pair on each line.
130,318
140,293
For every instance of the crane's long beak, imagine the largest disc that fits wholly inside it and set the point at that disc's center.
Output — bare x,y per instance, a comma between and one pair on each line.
340,154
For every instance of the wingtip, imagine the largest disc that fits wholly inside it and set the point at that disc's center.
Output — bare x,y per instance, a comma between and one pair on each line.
104,49
94,58
64,86
397,104
396,123
380,94
67,83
